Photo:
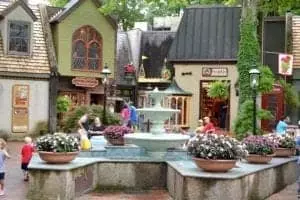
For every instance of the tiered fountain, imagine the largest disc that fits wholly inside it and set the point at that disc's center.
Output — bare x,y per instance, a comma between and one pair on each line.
157,142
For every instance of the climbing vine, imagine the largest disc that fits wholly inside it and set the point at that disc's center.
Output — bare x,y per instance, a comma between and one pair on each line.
248,54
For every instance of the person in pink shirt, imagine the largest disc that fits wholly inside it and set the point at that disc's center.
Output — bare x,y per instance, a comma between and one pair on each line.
125,114
209,126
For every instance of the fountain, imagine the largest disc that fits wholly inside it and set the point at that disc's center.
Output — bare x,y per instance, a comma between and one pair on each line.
157,142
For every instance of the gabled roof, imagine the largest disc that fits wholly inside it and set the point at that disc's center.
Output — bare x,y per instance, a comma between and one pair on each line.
207,34
38,62
71,6
123,57
14,5
155,46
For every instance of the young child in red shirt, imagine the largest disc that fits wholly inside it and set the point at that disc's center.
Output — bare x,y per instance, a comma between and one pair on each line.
26,153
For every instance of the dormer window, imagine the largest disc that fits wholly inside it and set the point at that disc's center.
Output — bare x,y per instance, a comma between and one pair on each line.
18,37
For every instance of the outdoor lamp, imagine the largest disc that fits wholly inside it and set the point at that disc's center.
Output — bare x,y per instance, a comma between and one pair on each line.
254,78
105,72
254,82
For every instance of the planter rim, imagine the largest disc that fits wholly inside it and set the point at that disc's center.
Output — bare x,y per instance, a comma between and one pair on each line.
268,155
50,152
285,148
212,160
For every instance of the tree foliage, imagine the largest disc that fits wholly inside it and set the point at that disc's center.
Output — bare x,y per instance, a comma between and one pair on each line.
244,122
59,3
248,55
291,96
266,80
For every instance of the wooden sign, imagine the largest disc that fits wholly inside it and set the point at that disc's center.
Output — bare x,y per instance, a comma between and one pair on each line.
20,96
214,72
20,120
85,82
285,64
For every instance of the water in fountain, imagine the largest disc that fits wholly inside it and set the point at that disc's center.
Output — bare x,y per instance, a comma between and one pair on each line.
157,142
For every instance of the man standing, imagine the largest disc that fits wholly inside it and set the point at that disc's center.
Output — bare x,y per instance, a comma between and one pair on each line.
133,116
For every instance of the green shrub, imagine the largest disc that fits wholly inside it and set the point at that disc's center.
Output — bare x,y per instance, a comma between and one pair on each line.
63,104
70,123
244,122
41,128
266,80
219,89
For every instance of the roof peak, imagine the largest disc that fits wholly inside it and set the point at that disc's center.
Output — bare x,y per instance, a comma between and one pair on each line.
13,5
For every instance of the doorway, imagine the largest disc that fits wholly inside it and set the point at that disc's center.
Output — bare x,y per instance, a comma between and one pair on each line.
217,109
96,99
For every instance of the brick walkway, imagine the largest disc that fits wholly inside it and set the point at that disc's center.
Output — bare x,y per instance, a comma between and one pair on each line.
16,188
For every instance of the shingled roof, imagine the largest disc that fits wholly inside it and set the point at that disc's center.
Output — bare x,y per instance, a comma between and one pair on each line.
14,5
123,57
207,34
155,46
38,62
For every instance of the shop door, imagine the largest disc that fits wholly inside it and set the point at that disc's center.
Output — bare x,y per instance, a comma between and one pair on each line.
273,102
216,109
96,99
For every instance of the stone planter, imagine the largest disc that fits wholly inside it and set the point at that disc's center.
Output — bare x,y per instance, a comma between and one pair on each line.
57,157
214,165
116,142
284,152
259,159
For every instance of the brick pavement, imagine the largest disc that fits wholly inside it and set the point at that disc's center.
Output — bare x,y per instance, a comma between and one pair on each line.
16,188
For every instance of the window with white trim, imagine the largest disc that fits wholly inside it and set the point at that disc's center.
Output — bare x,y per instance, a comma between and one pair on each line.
19,37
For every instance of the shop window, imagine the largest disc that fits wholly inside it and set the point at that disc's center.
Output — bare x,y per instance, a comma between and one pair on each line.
19,37
180,103
87,49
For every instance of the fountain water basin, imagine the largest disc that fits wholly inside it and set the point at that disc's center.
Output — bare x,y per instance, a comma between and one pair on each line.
157,142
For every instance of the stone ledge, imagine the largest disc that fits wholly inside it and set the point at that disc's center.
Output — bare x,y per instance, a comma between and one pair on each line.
189,169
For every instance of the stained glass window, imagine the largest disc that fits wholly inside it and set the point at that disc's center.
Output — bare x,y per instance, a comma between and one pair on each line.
93,56
87,51
19,37
79,54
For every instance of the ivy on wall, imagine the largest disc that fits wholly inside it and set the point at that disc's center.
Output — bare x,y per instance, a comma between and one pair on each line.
248,54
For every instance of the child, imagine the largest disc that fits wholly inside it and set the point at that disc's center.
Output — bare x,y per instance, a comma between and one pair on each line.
85,143
26,153
3,156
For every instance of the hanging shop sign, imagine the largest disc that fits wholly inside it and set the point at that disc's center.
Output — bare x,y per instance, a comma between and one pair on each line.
285,64
85,82
214,72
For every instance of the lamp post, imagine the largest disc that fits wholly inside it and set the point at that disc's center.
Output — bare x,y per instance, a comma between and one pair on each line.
254,82
105,73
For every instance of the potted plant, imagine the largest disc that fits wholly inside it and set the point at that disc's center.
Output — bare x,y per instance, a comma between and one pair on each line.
215,153
286,145
261,149
219,90
115,134
57,148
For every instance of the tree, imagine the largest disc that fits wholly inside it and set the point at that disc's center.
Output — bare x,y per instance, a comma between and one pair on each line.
59,3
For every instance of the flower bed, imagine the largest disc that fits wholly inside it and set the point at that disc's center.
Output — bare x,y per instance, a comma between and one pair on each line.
286,145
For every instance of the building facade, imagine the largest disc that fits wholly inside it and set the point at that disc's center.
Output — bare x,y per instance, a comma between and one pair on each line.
83,46
205,50
24,68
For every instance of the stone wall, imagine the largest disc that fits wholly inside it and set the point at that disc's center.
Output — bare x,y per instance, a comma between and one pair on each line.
256,186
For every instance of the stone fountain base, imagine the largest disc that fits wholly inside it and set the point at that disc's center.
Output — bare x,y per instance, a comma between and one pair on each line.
157,145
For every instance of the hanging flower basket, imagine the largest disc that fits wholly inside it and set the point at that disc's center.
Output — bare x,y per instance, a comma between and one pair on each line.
129,75
129,71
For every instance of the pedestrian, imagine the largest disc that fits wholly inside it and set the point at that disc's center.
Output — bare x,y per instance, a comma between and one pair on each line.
125,114
133,117
85,143
208,126
3,156
200,128
26,153
282,125
84,122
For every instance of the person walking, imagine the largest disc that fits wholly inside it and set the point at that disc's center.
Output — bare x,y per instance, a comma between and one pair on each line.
84,122
282,125
3,156
133,116
125,115
26,153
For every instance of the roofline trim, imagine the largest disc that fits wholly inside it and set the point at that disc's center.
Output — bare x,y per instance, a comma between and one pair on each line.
14,5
